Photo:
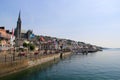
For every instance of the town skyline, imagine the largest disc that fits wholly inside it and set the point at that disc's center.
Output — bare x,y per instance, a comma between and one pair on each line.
96,23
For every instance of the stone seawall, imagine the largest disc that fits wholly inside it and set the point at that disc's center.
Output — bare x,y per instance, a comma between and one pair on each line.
31,64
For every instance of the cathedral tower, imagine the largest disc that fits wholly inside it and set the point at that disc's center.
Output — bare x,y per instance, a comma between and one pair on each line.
18,28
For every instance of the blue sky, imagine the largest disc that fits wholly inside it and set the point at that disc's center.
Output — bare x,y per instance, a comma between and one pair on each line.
91,21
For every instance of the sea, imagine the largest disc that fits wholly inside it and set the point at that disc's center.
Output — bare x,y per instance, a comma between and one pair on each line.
102,65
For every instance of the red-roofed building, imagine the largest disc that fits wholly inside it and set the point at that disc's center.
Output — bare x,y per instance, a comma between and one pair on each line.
5,36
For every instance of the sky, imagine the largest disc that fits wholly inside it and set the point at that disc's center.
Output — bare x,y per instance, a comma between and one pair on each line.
91,21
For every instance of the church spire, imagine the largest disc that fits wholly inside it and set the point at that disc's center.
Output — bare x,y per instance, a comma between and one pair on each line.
18,28
19,19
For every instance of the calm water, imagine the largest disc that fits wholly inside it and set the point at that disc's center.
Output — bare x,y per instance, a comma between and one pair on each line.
103,65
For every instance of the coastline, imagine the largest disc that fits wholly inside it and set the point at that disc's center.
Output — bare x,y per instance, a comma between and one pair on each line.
34,63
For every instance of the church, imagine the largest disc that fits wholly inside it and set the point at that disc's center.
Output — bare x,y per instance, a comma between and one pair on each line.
21,35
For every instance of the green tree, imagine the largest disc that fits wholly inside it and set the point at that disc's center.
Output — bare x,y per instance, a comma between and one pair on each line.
32,47
25,44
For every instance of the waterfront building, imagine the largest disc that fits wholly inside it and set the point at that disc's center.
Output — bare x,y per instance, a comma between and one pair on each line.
5,36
